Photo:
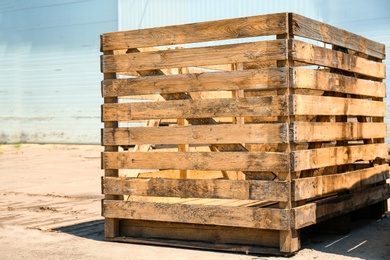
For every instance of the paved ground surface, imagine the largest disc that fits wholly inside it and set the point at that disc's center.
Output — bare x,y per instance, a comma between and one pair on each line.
50,209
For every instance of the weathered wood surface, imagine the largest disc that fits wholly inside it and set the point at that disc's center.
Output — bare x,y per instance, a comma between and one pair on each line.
235,133
262,25
316,55
249,217
258,106
218,235
311,187
321,80
322,157
212,81
318,211
312,29
189,188
229,161
334,106
222,54
331,131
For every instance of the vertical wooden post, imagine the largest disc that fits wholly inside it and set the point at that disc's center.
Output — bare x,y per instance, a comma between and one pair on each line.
289,239
111,228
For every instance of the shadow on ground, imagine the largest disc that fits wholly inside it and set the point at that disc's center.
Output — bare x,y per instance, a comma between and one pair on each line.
91,230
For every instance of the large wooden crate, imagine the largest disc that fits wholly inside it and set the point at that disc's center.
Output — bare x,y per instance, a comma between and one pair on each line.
237,145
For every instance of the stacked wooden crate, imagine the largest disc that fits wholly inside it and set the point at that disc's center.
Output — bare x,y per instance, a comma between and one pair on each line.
240,143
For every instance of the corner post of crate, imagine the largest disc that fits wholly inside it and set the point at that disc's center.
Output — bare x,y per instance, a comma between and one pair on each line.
111,225
289,240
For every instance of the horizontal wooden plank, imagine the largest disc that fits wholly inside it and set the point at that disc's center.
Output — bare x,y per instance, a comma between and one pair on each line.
212,55
306,188
253,106
271,24
321,80
202,134
317,55
212,81
229,161
321,210
192,235
190,188
323,105
247,217
317,158
312,29
330,131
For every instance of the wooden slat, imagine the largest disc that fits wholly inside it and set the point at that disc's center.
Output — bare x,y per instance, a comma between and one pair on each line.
313,54
187,188
249,133
251,217
197,32
318,211
219,237
306,188
312,29
213,81
329,106
317,158
231,53
321,80
256,106
233,161
330,131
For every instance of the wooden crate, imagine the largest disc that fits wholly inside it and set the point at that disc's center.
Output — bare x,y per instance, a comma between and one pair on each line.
237,145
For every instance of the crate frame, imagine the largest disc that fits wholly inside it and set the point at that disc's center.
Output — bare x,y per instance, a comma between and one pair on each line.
156,209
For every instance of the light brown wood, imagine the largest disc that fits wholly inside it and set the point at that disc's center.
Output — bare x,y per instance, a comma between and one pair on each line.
303,78
306,188
274,219
259,106
201,134
330,106
218,235
316,55
318,211
211,81
330,131
312,29
316,158
232,53
230,161
223,189
196,32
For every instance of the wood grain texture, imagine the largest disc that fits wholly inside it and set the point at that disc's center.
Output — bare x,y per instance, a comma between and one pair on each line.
321,210
321,56
248,133
190,188
197,32
322,157
312,29
257,106
311,187
230,161
320,80
331,131
247,217
222,54
329,106
212,81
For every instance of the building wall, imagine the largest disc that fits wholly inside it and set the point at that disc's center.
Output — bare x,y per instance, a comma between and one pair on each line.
50,72
49,52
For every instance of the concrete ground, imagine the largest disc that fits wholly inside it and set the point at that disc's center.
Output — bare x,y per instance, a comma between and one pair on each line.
50,209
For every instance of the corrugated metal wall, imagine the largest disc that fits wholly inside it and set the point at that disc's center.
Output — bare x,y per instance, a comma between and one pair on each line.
50,72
